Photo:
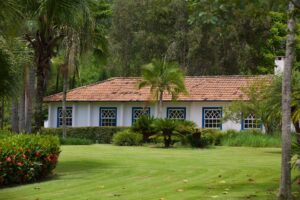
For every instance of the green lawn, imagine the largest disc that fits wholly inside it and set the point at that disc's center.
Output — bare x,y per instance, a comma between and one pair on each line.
137,173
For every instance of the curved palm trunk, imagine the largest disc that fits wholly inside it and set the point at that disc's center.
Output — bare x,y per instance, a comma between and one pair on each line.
40,92
64,109
285,182
15,116
160,105
30,83
22,112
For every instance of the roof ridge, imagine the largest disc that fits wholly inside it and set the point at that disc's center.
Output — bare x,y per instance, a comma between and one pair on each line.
91,84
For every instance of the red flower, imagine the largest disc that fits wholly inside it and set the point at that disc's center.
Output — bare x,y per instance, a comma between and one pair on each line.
37,154
24,156
20,164
8,159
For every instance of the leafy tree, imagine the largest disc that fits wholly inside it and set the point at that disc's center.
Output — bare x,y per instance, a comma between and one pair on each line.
166,128
265,103
161,77
50,19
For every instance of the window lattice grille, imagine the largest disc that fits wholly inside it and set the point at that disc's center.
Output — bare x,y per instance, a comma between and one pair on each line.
68,116
108,117
176,113
138,112
251,122
212,118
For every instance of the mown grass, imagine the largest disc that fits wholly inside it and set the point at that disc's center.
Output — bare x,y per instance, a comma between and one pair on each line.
249,139
104,172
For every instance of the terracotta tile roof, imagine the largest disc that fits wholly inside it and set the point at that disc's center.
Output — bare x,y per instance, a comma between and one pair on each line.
200,88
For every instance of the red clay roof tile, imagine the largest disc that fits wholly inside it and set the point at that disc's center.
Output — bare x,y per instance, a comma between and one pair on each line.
200,88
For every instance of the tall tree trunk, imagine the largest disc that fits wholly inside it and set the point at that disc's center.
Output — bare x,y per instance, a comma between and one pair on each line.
40,92
30,83
14,115
57,80
64,109
22,112
160,106
285,182
2,113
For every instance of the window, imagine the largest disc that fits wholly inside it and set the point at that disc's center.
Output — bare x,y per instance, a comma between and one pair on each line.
211,117
68,116
176,113
251,122
137,112
108,116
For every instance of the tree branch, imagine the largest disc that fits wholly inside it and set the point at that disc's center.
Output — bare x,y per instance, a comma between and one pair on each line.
55,39
297,5
28,38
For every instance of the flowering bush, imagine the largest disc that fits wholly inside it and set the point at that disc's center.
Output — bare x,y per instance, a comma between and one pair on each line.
27,158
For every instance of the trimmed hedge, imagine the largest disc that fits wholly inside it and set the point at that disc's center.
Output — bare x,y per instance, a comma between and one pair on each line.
27,158
101,135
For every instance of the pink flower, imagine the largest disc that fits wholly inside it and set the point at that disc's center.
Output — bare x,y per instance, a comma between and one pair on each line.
8,159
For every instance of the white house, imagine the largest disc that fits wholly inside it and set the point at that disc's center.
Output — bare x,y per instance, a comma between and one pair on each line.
119,102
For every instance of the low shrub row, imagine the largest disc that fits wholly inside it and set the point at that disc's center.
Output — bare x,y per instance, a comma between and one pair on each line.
250,138
27,158
102,135
185,133
75,141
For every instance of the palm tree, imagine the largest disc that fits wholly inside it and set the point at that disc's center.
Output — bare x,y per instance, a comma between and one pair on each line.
163,77
285,182
51,18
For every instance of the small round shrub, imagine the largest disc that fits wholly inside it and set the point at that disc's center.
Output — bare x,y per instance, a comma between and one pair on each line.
127,138
27,158
211,136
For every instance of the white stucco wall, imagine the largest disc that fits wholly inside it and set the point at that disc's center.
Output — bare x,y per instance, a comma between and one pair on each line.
87,113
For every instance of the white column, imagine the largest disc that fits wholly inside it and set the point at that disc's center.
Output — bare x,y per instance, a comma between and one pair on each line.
50,116
89,115
73,115
120,119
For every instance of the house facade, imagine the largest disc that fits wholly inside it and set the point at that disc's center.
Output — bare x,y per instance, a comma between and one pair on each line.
119,102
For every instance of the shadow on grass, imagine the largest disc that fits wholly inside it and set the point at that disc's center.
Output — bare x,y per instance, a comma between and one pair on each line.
273,151
81,165
65,168
241,190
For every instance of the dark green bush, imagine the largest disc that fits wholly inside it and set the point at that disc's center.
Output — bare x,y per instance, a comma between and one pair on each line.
27,158
127,138
75,141
145,126
211,136
194,139
204,137
102,135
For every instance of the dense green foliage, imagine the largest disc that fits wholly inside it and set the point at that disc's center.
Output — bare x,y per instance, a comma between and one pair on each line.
102,135
127,138
265,103
143,173
144,125
27,158
250,139
204,37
